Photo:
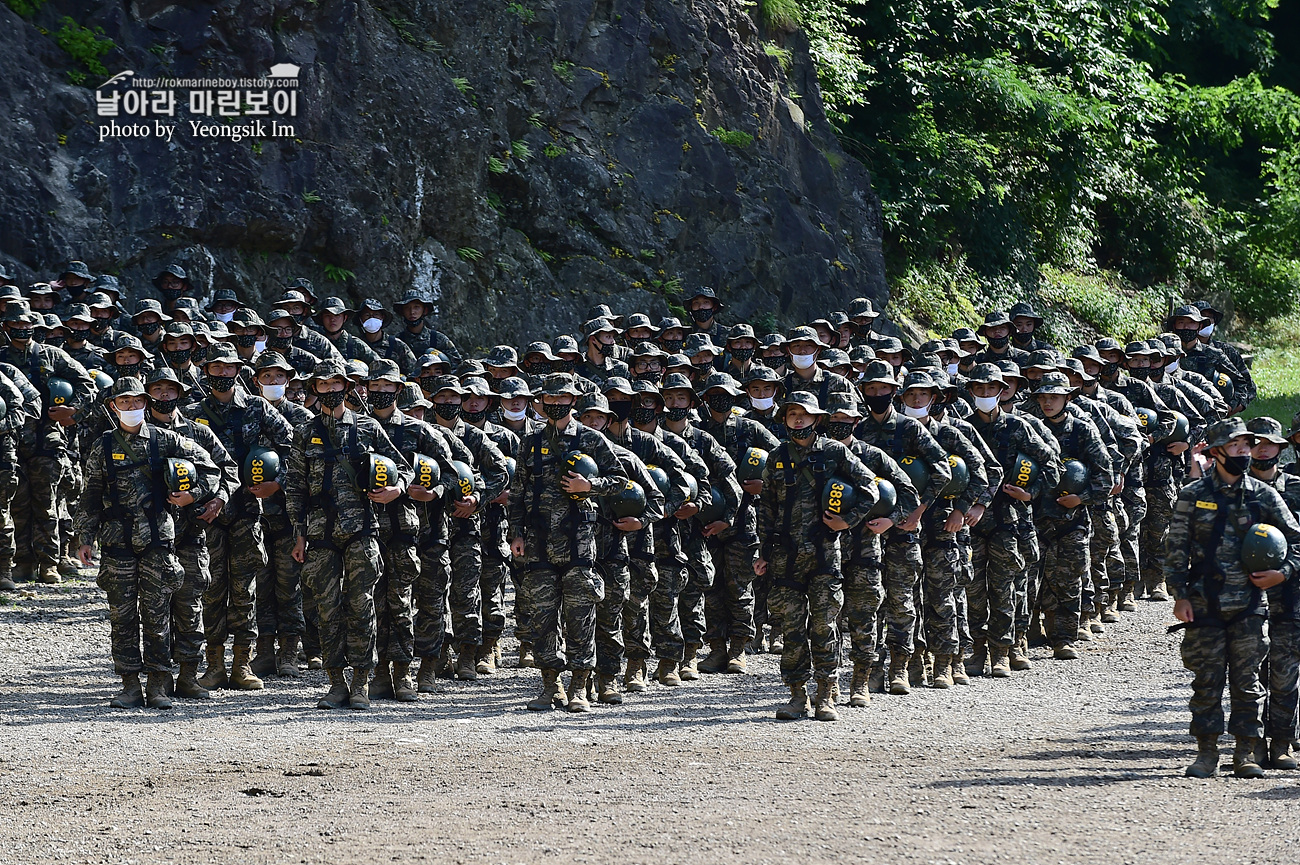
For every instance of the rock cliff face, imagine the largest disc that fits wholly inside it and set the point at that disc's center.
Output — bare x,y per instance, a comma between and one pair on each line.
518,161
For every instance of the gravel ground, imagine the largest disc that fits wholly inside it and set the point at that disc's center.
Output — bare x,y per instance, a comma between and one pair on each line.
1070,762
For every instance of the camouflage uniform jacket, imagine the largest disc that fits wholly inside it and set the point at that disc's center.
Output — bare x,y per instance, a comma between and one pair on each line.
823,384
39,363
242,424
1078,439
901,436
652,451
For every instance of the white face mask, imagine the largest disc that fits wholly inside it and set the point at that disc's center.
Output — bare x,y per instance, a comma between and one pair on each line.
514,415
1207,330
762,403
225,317
132,417
952,369
924,411
803,361
259,346
273,392
1172,367
986,404
372,325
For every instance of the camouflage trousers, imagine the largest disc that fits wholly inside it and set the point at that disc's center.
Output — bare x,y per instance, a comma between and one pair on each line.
35,511
729,602
664,622
279,587
394,626
643,578
700,577
238,564
71,484
1155,528
466,574
808,619
8,485
941,556
1134,501
572,593
139,605
431,598
342,575
1025,584
187,601
902,570
1064,569
990,597
1283,677
609,616
864,590
1229,655
1104,559
967,576
523,612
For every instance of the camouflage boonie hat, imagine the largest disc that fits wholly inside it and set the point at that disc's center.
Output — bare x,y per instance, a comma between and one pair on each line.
1087,352
833,357
1187,310
1107,343
513,388
148,304
357,370
986,373
540,347
1023,309
99,300
1138,348
1173,345
676,381
741,331
223,295
217,331
996,318
618,384
10,292
698,343
640,319
51,322
124,341
40,288
643,387
370,307
78,312
78,269
247,317
558,383
410,396
277,314
293,295
126,386
942,380
705,291
383,369
167,374
334,305
804,333
646,350
932,346
433,357
890,345
918,380
325,369
220,352
719,381
965,334
840,404
1041,359
591,402
274,360
593,326
471,368
669,322
804,400
1054,383
1221,432
677,361
841,319
1010,369
761,373
1074,365
861,354
108,284
602,310
170,270
860,307
19,313
772,339
303,286
478,387
502,357
1207,309
881,371
564,344
1267,429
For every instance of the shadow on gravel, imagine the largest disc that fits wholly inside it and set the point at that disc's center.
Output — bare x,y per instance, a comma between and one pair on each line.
1056,779
1276,794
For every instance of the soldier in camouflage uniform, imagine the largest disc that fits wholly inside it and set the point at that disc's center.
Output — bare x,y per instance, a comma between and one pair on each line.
553,531
514,398
803,346
413,311
1222,607
371,319
17,414
1245,390
129,513
1186,322
280,327
332,511
801,544
332,316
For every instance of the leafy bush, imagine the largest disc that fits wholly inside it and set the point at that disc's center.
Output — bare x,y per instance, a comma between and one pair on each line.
733,137
83,45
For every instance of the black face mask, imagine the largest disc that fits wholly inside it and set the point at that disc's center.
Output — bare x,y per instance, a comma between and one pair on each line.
280,342
333,399
1187,334
802,435
447,410
563,366
672,346
621,409
839,429
99,325
77,337
150,328
1157,373
246,340
537,367
999,341
650,375
221,383
878,404
1141,373
427,383
382,399
938,409
128,370
172,294
676,414
473,417
1236,465
721,402
1109,368
21,333
1024,338
742,354
556,410
701,314
642,415
700,370
1264,465
163,406
606,348
299,318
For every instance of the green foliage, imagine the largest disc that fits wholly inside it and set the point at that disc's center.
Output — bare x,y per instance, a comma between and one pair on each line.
522,12
735,138
781,14
765,323
552,150
25,8
1104,303
335,273
311,196
496,165
563,70
937,297
521,151
469,253
462,85
783,57
83,45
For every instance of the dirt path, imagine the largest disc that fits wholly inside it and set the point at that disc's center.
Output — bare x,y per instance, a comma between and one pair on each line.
1071,762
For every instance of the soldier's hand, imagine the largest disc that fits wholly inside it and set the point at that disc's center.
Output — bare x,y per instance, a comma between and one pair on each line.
181,499
880,525
384,495
575,483
1119,486
686,511
419,493
299,550
628,524
974,515
760,566
465,508
834,522
913,520
84,553
1177,448
503,499
1183,611
1268,579
1070,501
955,521
517,548
264,490
1016,492
62,414
716,527
211,510
754,487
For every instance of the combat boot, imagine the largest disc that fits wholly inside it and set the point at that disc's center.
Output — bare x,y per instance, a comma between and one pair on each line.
757,645
798,706
690,666
264,661
1001,663
1037,635
156,691
286,661
959,675
825,710
1082,635
337,696
876,677
359,695
428,675
1207,758
1108,615
942,677
381,687
1018,656
69,564
736,656
859,696
1094,622
578,701
7,583
187,683
403,686
487,658
215,677
1065,652
49,574
607,690
916,669
467,663
898,676
667,673
132,696
776,642
552,694
315,662
1158,593
717,659
1279,755
241,673
978,665
1244,763
446,667
525,656
634,677
1126,604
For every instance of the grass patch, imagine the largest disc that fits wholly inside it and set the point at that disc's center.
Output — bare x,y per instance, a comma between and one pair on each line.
781,14
1103,302
1276,368
734,137
937,298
